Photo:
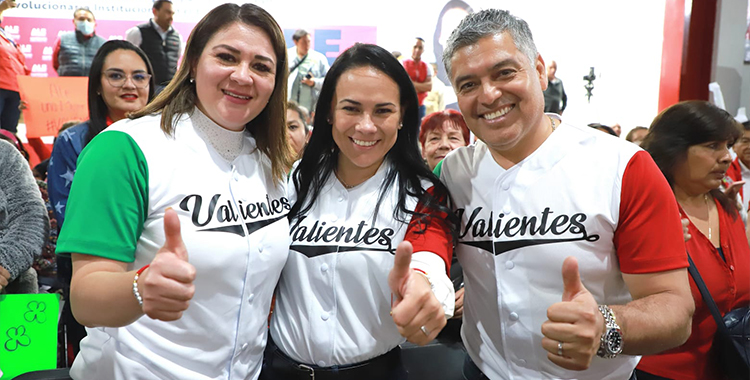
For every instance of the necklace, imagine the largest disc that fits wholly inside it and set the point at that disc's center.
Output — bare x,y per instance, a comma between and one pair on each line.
708,209
551,120
346,186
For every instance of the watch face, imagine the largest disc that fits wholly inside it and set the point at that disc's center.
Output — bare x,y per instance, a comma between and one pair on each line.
614,341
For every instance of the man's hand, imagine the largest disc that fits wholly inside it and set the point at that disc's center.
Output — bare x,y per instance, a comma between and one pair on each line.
575,322
308,80
458,312
4,277
415,310
167,285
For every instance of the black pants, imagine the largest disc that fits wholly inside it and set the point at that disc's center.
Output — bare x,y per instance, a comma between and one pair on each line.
9,112
472,372
278,366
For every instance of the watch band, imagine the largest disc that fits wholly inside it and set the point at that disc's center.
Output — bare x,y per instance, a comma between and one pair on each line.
610,344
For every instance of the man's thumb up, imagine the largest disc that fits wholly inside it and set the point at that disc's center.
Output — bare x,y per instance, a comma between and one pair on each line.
173,242
401,270
572,285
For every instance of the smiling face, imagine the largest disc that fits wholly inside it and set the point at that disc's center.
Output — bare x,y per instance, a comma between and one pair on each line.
704,167
235,74
500,96
128,98
440,141
366,116
742,148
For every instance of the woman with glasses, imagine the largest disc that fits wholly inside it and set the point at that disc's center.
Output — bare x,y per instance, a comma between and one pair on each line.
120,82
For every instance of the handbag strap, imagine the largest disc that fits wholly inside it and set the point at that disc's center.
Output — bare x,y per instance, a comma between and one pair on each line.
707,298
296,65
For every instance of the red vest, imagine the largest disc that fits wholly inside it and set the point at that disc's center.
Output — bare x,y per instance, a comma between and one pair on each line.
418,73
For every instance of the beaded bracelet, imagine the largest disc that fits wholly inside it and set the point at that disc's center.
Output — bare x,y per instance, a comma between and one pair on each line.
135,285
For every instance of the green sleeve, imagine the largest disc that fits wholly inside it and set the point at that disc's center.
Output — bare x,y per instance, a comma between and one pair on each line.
438,168
108,199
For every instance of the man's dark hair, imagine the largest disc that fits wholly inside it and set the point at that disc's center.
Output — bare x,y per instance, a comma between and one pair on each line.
159,3
85,9
299,34
420,38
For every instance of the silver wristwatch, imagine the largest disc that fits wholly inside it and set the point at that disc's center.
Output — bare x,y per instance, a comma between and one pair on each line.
611,341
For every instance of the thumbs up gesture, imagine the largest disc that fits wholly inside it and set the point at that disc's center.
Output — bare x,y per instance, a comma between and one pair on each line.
414,308
167,285
574,326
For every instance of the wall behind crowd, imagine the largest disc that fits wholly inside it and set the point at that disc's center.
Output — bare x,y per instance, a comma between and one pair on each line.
622,40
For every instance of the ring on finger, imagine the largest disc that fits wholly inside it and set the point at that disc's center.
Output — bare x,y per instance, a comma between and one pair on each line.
559,349
425,331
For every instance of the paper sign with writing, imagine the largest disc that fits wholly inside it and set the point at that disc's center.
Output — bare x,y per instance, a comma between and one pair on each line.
28,333
50,102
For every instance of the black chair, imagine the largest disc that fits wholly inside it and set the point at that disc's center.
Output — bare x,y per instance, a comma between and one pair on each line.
50,374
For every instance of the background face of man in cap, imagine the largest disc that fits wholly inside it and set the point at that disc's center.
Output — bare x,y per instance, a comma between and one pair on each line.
500,94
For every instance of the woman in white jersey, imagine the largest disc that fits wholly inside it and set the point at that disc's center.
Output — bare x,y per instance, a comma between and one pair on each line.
176,222
360,191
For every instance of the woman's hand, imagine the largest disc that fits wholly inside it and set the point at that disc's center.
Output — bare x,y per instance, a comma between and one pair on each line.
417,313
167,285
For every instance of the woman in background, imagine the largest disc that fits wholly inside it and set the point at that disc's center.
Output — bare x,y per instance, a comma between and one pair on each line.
442,132
690,143
298,129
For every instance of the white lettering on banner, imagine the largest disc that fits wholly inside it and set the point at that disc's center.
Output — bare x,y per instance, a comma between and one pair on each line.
115,37
185,10
38,35
13,31
47,53
26,50
39,70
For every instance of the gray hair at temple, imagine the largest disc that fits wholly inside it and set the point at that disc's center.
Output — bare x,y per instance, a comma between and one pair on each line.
489,22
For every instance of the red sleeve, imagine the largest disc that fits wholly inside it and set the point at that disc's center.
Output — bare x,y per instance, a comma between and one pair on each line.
55,52
436,237
648,237
734,171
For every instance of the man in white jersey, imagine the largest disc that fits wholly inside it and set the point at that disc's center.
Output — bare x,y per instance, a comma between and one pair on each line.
570,240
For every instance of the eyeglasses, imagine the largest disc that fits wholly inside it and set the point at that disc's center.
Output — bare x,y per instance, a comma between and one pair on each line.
117,78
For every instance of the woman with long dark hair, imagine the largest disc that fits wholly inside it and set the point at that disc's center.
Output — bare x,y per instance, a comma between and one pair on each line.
120,81
690,143
361,194
177,218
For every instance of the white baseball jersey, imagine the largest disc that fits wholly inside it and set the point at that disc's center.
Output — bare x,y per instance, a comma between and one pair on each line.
233,222
333,301
582,193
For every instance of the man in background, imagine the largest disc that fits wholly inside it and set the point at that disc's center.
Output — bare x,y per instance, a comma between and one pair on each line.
420,74
555,99
160,41
74,51
307,69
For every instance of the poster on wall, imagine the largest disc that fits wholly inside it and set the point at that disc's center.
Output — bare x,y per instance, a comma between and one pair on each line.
747,37
36,25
